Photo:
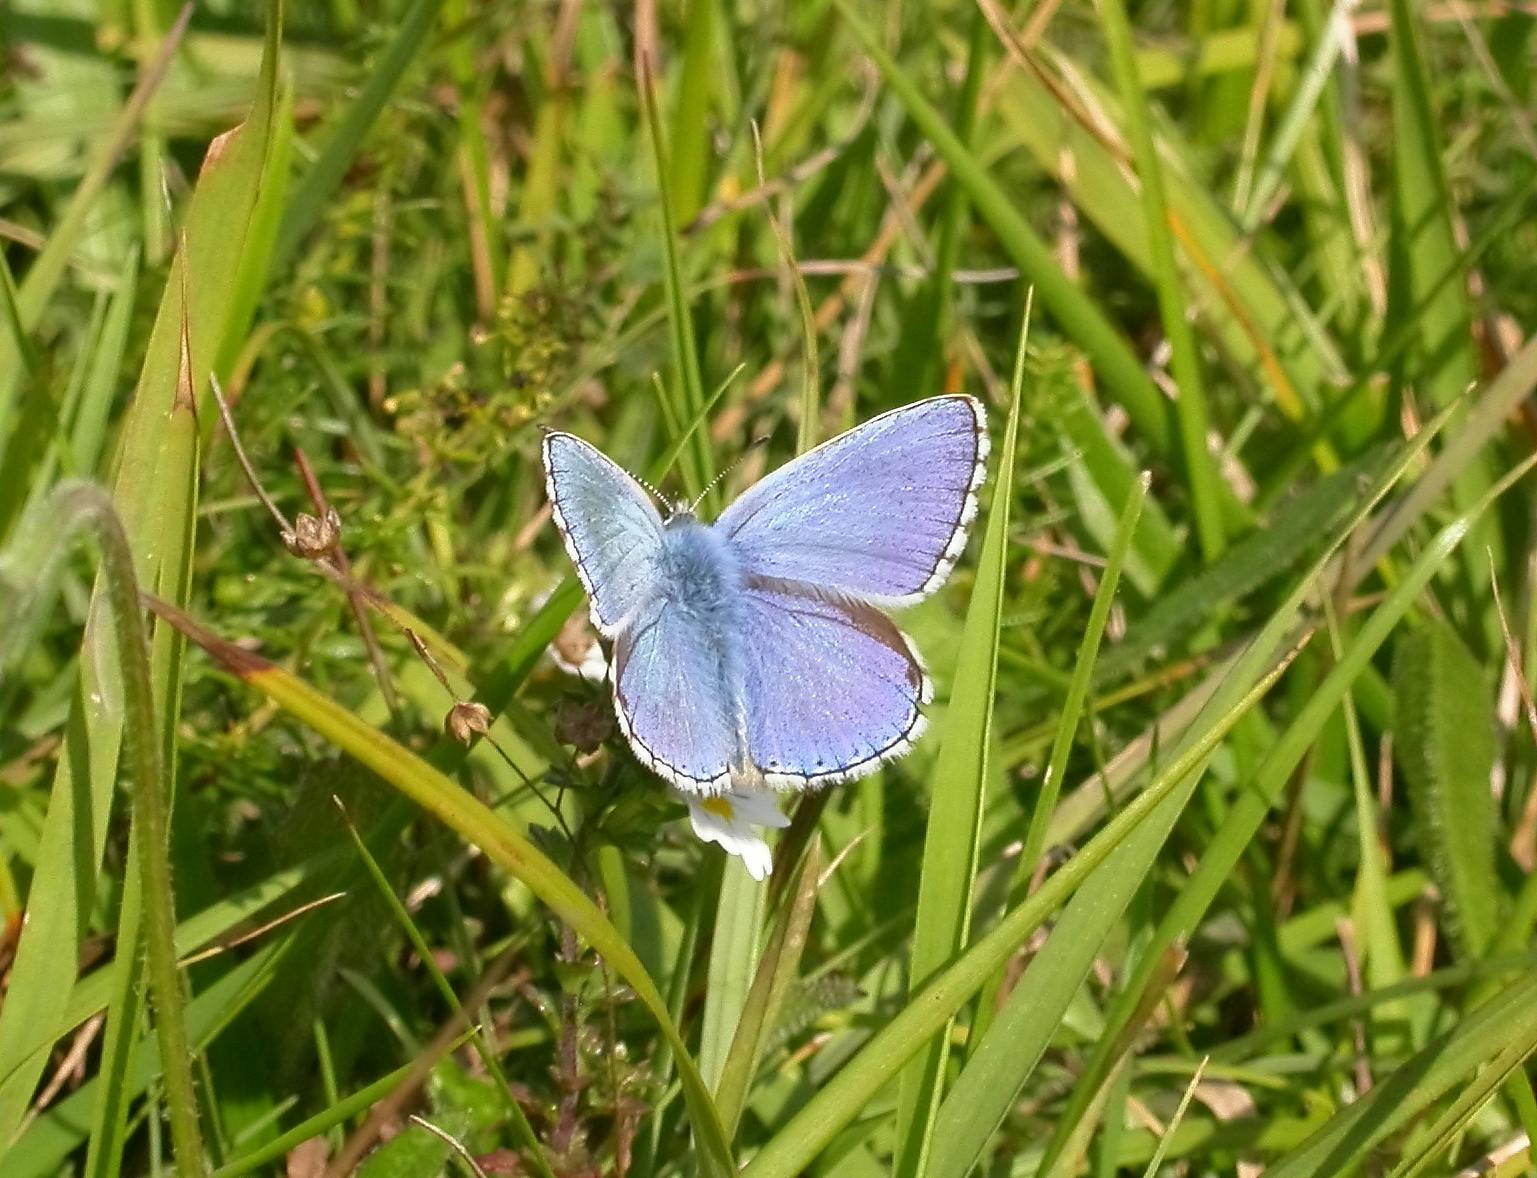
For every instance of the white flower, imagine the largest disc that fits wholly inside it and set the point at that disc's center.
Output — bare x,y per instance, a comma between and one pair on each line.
576,650
733,819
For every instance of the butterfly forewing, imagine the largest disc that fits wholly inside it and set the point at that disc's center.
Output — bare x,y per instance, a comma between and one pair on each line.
612,532
879,512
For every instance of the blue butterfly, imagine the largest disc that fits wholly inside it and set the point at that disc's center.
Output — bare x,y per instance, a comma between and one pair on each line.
754,651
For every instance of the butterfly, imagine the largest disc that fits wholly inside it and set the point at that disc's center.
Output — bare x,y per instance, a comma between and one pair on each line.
756,651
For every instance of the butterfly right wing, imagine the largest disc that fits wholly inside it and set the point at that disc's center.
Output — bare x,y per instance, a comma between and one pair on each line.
832,687
880,512
612,532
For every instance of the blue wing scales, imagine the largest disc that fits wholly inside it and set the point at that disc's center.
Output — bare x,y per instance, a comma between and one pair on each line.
832,688
611,530
880,512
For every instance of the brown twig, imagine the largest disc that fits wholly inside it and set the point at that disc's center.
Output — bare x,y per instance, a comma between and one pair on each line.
1347,936
285,529
338,557
453,1143
1523,840
225,944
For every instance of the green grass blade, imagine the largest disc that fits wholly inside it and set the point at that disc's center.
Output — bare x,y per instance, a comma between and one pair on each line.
1251,806
1485,420
1423,244
43,1149
698,464
1067,727
1442,362
1251,563
88,427
473,821
1073,311
325,175
1191,411
1255,669
49,266
690,138
1439,1137
1444,740
1004,1059
350,1106
476,1036
343,1110
958,790
152,476
1078,689
986,1087
840,1100
922,349
1250,308
1107,475
733,957
73,507
777,972
1503,1030
1300,108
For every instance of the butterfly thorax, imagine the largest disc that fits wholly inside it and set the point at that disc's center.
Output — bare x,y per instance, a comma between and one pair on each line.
699,572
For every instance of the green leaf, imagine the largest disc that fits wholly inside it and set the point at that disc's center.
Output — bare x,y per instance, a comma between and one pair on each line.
325,175
1243,820
777,973
49,1140
957,791
839,1101
987,1086
1067,727
153,493
1444,740
1261,556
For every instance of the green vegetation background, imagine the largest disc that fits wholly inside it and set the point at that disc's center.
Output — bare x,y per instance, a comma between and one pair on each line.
1220,852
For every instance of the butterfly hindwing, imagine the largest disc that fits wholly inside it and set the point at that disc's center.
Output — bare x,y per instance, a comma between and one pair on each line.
879,512
831,687
611,530
675,700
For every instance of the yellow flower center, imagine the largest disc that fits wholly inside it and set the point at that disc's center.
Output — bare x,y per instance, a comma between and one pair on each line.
720,807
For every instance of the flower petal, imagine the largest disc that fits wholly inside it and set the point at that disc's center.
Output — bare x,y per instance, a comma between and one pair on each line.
758,859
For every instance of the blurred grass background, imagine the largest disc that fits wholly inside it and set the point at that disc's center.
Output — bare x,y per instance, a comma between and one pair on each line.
1220,855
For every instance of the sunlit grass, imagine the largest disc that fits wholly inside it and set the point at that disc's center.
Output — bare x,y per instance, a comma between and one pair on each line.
1232,761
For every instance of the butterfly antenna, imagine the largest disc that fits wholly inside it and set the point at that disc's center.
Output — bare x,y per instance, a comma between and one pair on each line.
736,462
655,494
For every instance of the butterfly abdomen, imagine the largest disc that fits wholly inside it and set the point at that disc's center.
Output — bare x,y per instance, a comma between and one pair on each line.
701,579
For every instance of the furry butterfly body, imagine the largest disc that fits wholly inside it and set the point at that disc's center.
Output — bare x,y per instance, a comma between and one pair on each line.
755,650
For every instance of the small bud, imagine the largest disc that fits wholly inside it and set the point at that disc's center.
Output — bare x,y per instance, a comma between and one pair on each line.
584,723
466,719
314,538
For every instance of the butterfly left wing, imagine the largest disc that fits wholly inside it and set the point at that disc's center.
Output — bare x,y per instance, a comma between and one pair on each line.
880,512
675,701
831,687
612,532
